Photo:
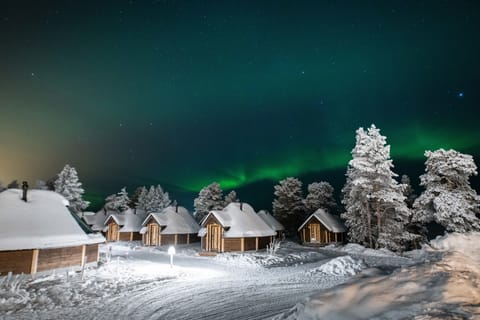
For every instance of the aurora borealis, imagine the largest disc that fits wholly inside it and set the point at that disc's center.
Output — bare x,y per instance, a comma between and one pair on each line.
183,93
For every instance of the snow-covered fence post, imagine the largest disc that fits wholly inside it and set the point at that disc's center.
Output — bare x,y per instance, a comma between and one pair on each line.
171,252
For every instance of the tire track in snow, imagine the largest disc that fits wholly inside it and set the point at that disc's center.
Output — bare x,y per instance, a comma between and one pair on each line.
234,296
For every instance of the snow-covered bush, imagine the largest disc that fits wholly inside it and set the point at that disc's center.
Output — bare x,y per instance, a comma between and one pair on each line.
273,247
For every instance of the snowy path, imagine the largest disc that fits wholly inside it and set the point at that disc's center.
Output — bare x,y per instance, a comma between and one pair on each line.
139,284
440,282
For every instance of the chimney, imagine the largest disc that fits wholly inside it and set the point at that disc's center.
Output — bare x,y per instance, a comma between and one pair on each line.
241,206
25,189
176,208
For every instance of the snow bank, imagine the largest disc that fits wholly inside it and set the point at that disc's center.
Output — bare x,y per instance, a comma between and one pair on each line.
341,266
445,289
464,243
353,248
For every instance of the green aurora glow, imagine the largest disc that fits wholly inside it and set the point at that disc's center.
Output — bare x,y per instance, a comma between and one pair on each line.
183,94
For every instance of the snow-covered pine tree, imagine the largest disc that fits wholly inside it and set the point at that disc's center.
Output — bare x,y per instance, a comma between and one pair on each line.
123,200
134,198
288,206
164,198
118,202
230,197
110,202
413,227
320,195
448,199
153,201
69,186
408,191
209,198
142,200
376,213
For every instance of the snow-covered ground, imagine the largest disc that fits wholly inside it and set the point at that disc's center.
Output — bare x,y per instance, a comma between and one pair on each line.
350,282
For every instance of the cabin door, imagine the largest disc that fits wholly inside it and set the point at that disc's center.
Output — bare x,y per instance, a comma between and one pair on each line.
153,234
113,232
314,232
214,232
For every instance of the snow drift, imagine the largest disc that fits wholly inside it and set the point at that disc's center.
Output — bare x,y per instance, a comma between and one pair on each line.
444,289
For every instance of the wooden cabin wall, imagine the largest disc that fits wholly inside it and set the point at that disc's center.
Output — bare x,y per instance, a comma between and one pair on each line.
167,239
194,238
137,236
124,236
250,244
263,242
182,238
19,261
232,244
59,258
91,251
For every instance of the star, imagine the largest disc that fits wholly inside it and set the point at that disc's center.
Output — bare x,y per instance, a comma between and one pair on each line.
460,94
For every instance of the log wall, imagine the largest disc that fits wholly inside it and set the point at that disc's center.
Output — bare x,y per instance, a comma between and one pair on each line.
194,238
232,244
124,236
182,238
250,244
167,239
137,236
263,242
59,258
91,251
15,261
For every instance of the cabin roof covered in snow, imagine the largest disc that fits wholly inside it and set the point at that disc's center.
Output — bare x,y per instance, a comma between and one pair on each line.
270,220
175,221
240,223
42,222
96,220
331,222
128,220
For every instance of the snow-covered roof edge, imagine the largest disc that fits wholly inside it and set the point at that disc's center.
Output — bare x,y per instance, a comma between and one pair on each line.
328,220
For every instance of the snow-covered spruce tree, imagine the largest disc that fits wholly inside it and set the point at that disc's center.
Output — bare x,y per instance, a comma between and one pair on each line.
134,198
230,197
413,227
163,197
408,191
320,195
118,202
142,199
376,212
156,200
288,206
209,198
69,186
448,198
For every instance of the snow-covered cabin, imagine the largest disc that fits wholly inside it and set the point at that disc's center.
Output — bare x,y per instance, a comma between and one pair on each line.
273,223
95,220
41,233
124,226
174,225
322,228
235,228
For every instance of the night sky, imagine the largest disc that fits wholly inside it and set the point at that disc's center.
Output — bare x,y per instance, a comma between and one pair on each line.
183,93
